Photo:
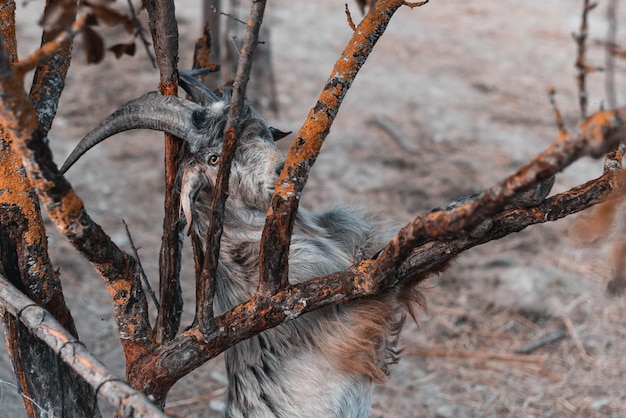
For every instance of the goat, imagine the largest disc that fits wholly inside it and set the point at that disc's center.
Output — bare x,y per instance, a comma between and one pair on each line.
324,363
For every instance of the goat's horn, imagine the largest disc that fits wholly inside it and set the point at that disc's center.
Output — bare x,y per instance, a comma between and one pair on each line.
153,111
199,93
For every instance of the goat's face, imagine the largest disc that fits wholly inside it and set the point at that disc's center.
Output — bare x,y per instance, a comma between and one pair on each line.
254,170
201,122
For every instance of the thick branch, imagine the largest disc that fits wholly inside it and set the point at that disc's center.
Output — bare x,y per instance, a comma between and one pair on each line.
67,211
49,78
128,402
307,145
24,257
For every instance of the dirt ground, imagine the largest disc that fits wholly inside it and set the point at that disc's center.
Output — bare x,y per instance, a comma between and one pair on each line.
463,85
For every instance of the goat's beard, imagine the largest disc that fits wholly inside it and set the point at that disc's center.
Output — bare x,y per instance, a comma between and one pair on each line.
246,201
192,183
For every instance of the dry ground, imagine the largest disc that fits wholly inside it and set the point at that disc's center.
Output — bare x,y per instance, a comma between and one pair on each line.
464,83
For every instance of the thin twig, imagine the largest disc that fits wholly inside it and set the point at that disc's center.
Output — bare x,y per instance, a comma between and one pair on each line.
581,64
196,399
228,15
140,266
398,136
483,355
563,314
541,342
139,32
609,66
205,287
557,113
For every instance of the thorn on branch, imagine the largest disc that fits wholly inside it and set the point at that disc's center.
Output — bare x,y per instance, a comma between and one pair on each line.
349,17
557,113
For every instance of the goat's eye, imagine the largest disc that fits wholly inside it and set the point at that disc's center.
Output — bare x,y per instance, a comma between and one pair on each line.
214,159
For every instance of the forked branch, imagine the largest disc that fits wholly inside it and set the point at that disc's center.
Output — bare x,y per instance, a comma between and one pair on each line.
431,239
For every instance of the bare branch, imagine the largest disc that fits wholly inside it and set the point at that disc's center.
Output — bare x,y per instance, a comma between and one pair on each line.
49,78
165,38
142,272
581,64
139,32
128,402
67,211
599,133
204,306
611,43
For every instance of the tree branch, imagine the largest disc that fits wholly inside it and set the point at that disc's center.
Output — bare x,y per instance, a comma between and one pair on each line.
165,38
67,211
205,286
128,402
599,134
49,78
307,145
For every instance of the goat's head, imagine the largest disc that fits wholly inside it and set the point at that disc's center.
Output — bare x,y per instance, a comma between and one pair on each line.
201,122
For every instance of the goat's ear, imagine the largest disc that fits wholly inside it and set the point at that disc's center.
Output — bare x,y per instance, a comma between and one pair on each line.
277,134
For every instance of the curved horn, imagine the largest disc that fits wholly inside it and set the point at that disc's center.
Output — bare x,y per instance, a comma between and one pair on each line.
154,111
199,93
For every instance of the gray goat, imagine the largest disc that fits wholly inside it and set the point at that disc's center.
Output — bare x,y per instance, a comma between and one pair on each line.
322,364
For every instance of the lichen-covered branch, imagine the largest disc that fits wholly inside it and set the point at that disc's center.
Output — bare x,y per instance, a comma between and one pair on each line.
50,73
24,253
599,134
66,209
307,145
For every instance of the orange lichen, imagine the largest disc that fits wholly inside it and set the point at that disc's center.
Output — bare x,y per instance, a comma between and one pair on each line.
595,126
66,211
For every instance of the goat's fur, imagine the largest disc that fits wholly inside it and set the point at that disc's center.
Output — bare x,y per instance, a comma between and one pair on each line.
324,363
